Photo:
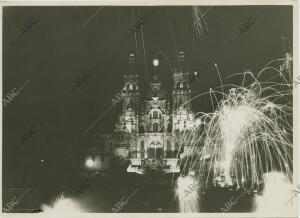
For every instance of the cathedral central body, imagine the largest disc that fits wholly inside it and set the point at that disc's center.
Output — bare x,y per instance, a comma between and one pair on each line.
147,131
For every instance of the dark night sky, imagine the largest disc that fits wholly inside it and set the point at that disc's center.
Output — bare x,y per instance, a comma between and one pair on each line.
55,52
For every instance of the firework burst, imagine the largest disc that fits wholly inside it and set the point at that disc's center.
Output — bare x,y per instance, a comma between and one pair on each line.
246,137
248,134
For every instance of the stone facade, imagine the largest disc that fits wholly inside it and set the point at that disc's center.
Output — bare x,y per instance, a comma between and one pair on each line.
147,131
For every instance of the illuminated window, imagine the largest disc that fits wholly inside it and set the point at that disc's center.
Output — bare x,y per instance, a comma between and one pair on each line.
168,145
155,127
142,130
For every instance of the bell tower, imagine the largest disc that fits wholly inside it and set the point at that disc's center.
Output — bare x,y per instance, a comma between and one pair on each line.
181,90
130,92
128,119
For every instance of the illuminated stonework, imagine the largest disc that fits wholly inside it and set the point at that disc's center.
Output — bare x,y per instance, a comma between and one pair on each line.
153,123
147,132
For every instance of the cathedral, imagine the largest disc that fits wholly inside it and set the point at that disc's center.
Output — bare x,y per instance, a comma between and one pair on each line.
147,131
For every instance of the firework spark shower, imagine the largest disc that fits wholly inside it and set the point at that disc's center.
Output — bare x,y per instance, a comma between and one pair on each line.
246,127
248,136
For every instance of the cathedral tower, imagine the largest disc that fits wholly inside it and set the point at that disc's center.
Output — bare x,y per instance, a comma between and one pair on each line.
130,92
181,90
128,119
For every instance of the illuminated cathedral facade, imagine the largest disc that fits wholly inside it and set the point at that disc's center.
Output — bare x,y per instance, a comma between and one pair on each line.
147,131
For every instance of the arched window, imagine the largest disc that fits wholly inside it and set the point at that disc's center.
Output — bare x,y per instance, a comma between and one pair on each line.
142,145
155,127
180,102
169,149
155,115
142,130
168,145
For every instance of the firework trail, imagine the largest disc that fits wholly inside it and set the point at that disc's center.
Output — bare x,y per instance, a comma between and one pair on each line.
144,50
199,22
172,35
133,22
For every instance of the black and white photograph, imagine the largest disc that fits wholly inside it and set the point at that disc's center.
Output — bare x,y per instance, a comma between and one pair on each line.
158,108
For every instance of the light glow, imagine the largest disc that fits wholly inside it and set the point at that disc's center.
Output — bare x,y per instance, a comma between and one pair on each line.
155,62
187,190
62,205
89,162
277,197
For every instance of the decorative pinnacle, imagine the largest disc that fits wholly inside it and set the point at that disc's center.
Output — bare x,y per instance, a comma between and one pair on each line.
180,57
